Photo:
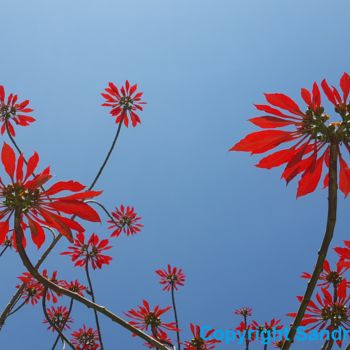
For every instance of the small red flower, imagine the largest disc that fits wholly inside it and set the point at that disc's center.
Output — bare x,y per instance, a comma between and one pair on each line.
125,220
91,251
59,316
125,103
328,276
279,344
244,311
74,286
267,326
311,134
327,313
162,337
197,342
171,278
38,206
12,110
146,318
33,290
344,255
85,339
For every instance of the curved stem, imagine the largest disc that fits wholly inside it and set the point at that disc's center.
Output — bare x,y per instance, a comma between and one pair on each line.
19,291
58,289
52,324
19,307
4,250
322,253
108,155
176,319
64,323
93,299
330,344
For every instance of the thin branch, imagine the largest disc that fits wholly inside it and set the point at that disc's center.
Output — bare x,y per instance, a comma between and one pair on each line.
91,290
58,289
52,324
175,315
322,253
19,307
4,250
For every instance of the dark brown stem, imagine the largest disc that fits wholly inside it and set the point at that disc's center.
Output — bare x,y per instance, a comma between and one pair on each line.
91,290
246,335
324,347
64,323
322,253
52,324
19,307
58,289
4,250
175,315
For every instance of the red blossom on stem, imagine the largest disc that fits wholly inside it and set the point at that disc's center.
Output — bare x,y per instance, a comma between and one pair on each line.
244,311
327,312
125,220
83,253
197,342
171,278
38,206
74,286
11,110
311,134
85,339
59,316
124,102
145,318
33,290
328,276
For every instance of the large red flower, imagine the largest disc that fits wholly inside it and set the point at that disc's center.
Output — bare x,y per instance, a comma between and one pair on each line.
325,312
124,103
125,220
311,134
38,206
171,278
197,342
145,318
83,253
85,339
13,110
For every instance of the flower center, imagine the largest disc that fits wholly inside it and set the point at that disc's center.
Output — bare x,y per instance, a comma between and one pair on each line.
198,343
87,339
126,102
334,277
152,320
7,112
172,278
336,314
18,197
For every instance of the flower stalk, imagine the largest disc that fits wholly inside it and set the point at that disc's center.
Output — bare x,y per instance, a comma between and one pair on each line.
322,253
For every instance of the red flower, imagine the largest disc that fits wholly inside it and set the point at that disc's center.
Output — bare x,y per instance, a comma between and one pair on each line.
124,102
38,206
59,316
333,95
244,311
33,290
84,252
172,277
125,220
279,344
145,318
85,339
74,286
310,133
329,277
267,326
12,110
162,337
327,313
344,255
198,343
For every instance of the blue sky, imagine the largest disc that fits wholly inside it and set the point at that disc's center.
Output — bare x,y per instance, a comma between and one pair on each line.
238,232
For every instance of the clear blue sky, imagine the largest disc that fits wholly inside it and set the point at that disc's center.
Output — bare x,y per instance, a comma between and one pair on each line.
239,234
